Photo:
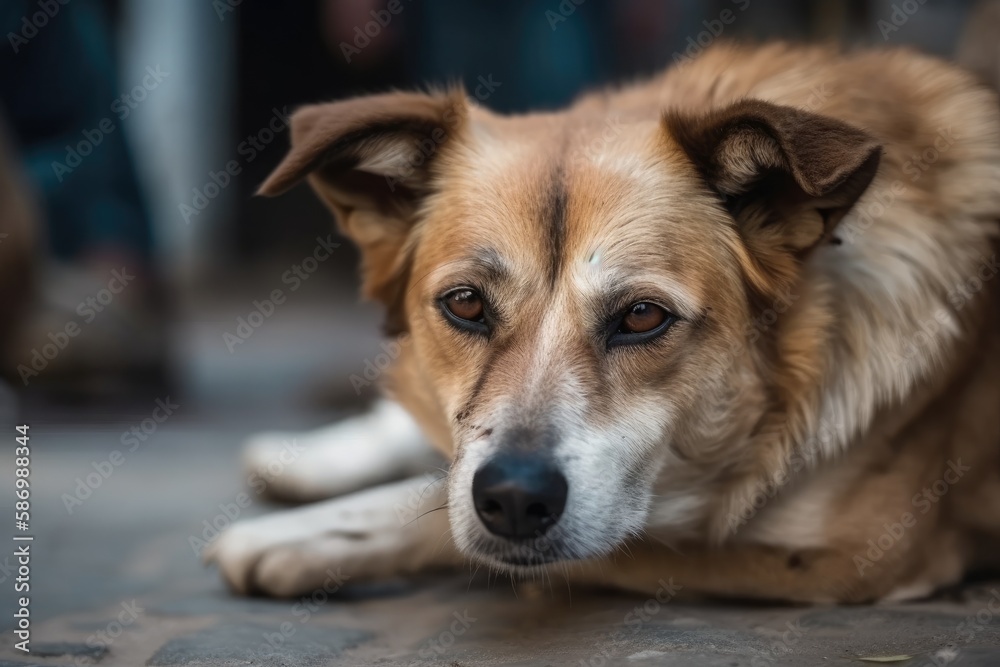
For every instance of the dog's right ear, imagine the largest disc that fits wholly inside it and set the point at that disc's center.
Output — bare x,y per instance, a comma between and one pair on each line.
786,176
370,159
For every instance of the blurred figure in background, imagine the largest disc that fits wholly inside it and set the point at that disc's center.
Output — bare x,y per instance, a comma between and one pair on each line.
97,303
19,224
979,48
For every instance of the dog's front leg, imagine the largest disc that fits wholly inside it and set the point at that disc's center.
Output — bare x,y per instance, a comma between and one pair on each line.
388,530
378,446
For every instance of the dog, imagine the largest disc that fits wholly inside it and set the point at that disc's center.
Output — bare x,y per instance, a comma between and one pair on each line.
733,327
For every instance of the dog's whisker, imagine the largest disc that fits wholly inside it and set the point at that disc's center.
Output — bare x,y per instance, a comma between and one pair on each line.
436,509
429,485
443,539
569,588
474,573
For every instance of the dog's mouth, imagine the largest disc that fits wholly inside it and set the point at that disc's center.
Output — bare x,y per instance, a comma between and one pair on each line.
555,546
517,559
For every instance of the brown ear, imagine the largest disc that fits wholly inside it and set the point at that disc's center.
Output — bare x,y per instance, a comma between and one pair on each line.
370,160
786,176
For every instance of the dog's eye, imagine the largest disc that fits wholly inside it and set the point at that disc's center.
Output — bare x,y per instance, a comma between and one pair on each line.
465,305
464,309
643,317
642,322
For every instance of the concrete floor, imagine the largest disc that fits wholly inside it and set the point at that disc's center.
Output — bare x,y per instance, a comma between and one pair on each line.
117,582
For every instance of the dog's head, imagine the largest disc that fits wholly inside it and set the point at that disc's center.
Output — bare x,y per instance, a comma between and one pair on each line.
580,290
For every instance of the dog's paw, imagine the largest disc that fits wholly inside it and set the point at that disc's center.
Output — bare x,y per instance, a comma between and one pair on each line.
253,561
373,448
365,536
239,549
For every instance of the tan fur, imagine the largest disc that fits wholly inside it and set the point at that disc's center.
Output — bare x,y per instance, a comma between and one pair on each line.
830,358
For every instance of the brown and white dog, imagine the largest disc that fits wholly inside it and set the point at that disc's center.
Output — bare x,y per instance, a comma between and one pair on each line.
737,325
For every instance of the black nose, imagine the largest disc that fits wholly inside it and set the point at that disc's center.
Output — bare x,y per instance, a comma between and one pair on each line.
519,496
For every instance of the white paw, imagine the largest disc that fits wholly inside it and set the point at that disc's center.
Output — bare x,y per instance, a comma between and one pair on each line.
379,446
369,535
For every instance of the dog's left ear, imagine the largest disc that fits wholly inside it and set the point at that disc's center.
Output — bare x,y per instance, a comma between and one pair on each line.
786,176
372,161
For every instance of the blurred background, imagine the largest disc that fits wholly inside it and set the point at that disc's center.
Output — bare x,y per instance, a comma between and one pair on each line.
140,340
136,264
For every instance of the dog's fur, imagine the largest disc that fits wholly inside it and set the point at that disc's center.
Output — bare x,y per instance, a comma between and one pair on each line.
822,422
